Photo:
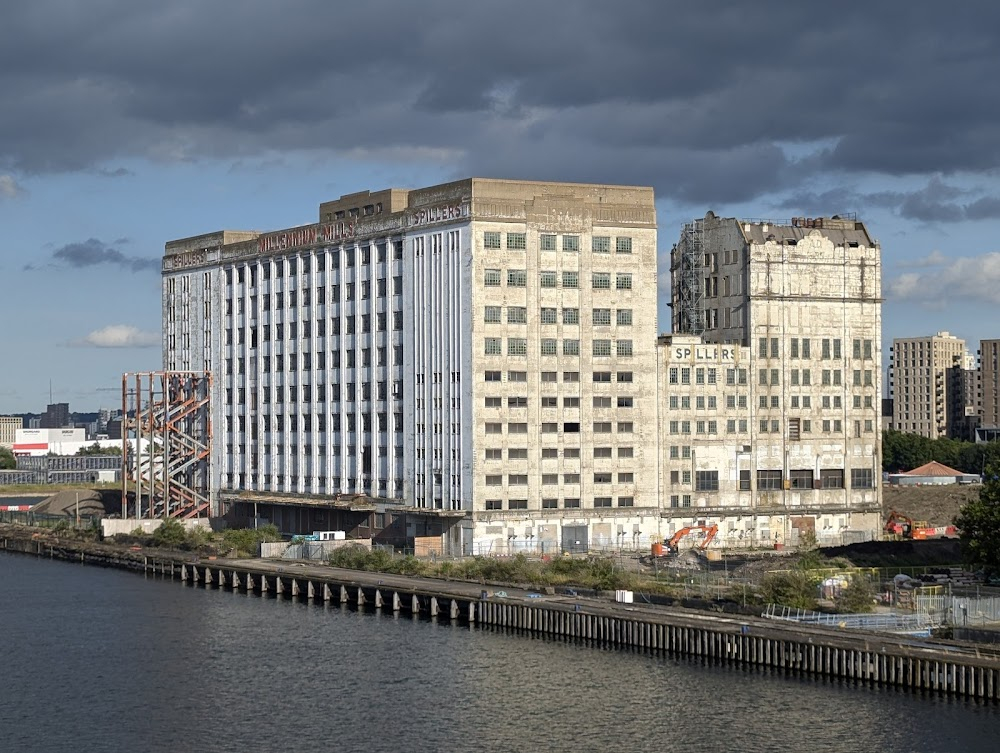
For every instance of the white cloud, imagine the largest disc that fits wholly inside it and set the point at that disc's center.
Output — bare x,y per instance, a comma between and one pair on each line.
10,188
119,336
934,259
967,278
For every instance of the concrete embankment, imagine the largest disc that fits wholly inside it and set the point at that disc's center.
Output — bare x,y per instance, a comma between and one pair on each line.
862,657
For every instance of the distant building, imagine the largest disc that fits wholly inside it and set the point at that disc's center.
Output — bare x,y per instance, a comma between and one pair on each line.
932,474
39,442
989,384
8,428
56,416
926,379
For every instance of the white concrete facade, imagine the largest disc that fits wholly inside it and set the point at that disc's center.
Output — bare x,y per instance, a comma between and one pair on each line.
801,304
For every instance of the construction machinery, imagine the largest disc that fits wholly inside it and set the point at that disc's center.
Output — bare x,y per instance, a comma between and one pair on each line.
671,547
900,526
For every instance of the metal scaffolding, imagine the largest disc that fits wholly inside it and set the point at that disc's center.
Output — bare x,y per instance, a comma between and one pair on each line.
166,444
689,305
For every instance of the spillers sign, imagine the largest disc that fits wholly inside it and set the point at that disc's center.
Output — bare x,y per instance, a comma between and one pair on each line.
439,214
186,259
705,353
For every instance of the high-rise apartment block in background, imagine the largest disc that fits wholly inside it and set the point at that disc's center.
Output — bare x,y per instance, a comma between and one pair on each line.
989,389
479,362
787,319
933,384
56,416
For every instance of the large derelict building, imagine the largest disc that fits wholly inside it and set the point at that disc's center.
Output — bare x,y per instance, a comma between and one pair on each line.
770,388
483,350
481,360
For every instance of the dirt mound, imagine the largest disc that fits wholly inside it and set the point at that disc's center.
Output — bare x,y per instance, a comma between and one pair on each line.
931,553
938,505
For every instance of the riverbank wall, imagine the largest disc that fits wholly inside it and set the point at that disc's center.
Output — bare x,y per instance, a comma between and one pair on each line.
868,658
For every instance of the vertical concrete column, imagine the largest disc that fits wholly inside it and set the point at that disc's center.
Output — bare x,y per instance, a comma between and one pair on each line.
195,577
310,590
414,604
434,606
295,588
279,586
327,593
472,613
208,576
378,598
397,605
361,597
343,594
263,584
184,573
454,610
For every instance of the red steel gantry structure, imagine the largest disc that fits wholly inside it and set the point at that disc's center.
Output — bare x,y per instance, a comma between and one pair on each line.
167,444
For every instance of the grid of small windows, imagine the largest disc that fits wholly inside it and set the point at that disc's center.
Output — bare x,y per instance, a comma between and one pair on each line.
571,243
516,241
571,316
600,244
602,348
601,281
623,245
623,281
571,279
571,347
517,346
549,316
491,278
491,314
517,315
493,347
548,279
549,346
491,239
624,317
602,317
547,242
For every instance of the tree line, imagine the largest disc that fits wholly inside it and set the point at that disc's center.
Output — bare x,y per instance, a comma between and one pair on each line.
904,452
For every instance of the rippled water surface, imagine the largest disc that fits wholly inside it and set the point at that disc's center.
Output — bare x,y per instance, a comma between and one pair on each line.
102,660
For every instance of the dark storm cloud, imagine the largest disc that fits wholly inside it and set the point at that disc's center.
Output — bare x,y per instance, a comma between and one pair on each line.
93,253
699,99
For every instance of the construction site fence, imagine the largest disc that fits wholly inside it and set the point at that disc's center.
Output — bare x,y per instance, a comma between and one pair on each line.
878,622
44,520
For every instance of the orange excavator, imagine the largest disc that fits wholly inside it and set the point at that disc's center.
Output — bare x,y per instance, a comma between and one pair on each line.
670,548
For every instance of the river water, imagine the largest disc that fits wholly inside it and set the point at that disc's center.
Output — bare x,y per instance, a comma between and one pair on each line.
104,660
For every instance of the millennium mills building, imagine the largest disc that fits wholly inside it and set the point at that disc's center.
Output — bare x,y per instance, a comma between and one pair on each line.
477,365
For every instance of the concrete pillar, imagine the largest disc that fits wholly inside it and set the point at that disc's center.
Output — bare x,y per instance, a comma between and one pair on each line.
208,576
195,577
310,590
295,588
327,593
263,584
414,604
279,586
234,580
472,613
361,597
184,573
396,605
343,594
378,598
434,606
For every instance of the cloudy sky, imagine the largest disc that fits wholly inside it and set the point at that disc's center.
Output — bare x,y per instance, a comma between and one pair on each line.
125,124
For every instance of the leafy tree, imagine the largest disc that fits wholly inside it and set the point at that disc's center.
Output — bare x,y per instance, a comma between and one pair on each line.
7,460
979,524
794,588
857,597
170,534
96,449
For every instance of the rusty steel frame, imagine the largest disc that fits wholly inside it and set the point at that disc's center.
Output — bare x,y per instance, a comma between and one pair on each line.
167,444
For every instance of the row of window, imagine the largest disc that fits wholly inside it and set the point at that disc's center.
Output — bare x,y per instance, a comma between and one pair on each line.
551,479
553,503
568,427
310,297
518,278
319,363
518,346
802,348
682,375
547,315
521,453
292,265
599,244
551,377
796,426
352,324
316,392
600,401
